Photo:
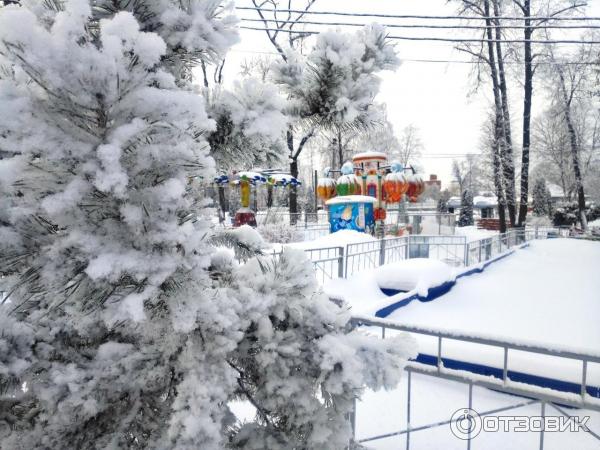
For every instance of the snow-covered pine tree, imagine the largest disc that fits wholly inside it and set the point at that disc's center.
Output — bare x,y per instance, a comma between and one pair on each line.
442,205
335,85
125,327
296,361
250,125
108,238
465,219
541,201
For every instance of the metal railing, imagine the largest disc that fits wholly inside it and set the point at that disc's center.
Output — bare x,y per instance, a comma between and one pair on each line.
485,249
502,384
314,232
327,262
427,223
453,250
449,249
368,255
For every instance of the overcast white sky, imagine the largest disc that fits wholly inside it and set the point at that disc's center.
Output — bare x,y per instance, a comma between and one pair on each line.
436,97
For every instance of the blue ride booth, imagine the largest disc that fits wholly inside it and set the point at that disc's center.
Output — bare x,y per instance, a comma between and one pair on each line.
351,212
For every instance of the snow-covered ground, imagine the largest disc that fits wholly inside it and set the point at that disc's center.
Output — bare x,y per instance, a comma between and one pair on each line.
547,294
434,400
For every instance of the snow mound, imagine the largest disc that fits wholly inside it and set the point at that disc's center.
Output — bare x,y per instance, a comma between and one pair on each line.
412,278
418,274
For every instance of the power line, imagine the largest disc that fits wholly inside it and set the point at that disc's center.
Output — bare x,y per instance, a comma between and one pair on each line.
440,39
408,16
426,26
446,61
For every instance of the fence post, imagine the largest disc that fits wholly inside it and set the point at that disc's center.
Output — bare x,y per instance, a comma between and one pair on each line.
381,252
466,244
340,262
353,421
543,425
408,411
407,247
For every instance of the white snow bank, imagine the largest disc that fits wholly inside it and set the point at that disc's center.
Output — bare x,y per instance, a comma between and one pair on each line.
417,274
363,290
338,239
472,233
545,295
360,291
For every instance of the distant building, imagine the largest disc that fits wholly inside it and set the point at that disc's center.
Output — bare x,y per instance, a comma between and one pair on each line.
433,181
485,204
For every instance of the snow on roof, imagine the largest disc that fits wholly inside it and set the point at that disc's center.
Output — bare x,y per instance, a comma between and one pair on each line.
282,179
454,202
351,199
251,175
480,201
368,155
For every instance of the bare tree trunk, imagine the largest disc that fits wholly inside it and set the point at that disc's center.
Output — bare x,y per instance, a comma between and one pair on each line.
269,195
293,199
340,147
333,163
507,157
222,203
576,169
498,120
527,100
574,153
294,154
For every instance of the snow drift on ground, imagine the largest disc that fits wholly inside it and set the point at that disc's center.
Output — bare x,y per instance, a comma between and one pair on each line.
548,292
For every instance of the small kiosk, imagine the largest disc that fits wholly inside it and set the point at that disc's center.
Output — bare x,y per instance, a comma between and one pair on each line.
351,212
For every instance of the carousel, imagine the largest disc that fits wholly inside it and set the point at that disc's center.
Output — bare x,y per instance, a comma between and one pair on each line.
365,190
249,182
